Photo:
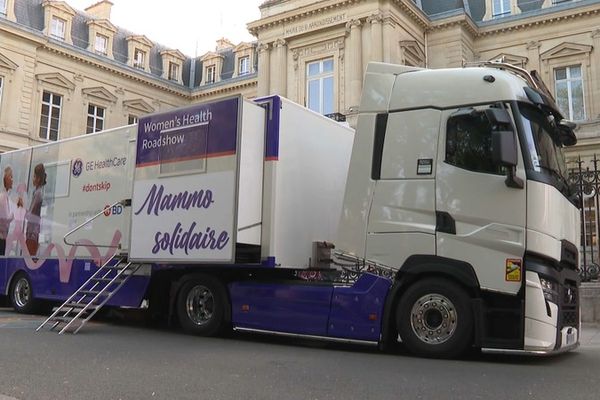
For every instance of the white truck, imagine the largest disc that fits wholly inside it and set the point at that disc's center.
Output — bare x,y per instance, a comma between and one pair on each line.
444,221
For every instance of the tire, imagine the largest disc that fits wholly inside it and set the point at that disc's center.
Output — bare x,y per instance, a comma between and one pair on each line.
435,319
201,306
21,295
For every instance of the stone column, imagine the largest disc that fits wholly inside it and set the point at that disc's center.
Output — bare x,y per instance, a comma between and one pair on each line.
594,111
264,74
280,47
533,55
376,44
388,39
354,63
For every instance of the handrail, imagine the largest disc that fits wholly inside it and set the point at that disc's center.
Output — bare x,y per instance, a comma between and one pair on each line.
523,73
124,203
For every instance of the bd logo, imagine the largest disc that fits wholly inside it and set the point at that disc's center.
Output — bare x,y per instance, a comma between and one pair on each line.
114,210
77,167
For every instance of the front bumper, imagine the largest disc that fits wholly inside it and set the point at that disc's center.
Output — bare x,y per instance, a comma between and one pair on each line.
551,326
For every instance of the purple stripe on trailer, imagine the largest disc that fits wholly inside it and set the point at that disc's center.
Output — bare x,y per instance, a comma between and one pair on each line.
273,107
188,133
309,308
47,286
292,308
357,311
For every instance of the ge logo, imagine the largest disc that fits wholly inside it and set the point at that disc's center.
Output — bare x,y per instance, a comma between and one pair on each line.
77,168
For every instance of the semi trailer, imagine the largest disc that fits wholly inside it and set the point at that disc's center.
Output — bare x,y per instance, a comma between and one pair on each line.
444,221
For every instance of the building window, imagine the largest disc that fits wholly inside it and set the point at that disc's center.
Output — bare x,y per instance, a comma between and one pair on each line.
1,87
57,28
569,92
244,66
210,74
500,8
50,118
319,86
173,71
3,7
101,44
139,58
133,119
95,119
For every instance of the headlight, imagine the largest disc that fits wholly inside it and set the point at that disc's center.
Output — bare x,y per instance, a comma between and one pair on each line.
550,289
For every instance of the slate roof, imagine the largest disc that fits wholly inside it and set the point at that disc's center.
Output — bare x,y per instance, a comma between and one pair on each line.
30,13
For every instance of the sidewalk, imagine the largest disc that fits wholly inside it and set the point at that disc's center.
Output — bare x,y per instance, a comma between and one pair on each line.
590,335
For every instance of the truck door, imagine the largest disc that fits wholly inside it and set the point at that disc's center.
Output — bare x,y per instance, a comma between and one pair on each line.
479,218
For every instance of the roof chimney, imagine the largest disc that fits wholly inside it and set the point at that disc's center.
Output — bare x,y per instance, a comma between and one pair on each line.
223,44
100,10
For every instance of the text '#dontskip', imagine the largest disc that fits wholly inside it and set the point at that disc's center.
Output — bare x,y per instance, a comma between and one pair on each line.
96,187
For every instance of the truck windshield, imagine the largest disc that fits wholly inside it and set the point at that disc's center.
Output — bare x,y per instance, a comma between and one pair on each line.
545,154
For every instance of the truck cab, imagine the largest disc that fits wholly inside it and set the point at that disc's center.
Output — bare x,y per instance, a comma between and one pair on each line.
457,180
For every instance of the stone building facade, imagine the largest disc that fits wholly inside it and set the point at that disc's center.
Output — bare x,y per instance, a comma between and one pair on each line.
559,39
64,72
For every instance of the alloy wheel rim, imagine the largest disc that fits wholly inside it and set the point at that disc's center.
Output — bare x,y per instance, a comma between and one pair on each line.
433,319
22,293
200,305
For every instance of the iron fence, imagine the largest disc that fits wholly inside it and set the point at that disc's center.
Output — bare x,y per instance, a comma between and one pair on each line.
584,177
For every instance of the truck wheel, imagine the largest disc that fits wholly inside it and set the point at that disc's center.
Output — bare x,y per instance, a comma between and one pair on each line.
201,305
21,295
434,319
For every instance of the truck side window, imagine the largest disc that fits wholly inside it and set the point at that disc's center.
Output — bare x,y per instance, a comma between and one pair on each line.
469,142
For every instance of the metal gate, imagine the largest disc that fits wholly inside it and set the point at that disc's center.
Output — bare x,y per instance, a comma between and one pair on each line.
584,177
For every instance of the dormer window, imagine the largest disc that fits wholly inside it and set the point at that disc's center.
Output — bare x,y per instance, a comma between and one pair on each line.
101,44
244,66
58,28
210,74
500,8
173,71
244,54
139,58
138,50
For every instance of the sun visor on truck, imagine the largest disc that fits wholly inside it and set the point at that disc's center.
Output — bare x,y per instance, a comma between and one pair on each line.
566,129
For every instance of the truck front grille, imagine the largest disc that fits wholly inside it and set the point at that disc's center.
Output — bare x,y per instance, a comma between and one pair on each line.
569,309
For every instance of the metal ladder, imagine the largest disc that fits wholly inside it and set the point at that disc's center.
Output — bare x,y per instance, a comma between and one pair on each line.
78,309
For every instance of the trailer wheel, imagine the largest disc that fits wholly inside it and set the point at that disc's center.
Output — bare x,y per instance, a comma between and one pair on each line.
434,319
201,305
21,295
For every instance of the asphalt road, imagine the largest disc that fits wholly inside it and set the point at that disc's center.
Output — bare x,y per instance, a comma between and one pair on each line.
116,360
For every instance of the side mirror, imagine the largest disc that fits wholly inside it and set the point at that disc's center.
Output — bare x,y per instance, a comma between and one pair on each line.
504,148
566,134
498,116
504,153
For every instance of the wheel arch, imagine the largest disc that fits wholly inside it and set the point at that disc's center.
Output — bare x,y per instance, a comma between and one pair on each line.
11,280
418,267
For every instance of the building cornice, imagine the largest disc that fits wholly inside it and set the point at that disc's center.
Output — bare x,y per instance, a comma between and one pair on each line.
414,12
544,19
224,88
461,20
298,14
122,71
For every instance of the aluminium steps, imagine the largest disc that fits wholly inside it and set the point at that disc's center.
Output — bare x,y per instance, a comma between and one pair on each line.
82,305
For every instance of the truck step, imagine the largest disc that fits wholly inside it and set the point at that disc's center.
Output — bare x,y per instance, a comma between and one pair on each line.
72,307
80,306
